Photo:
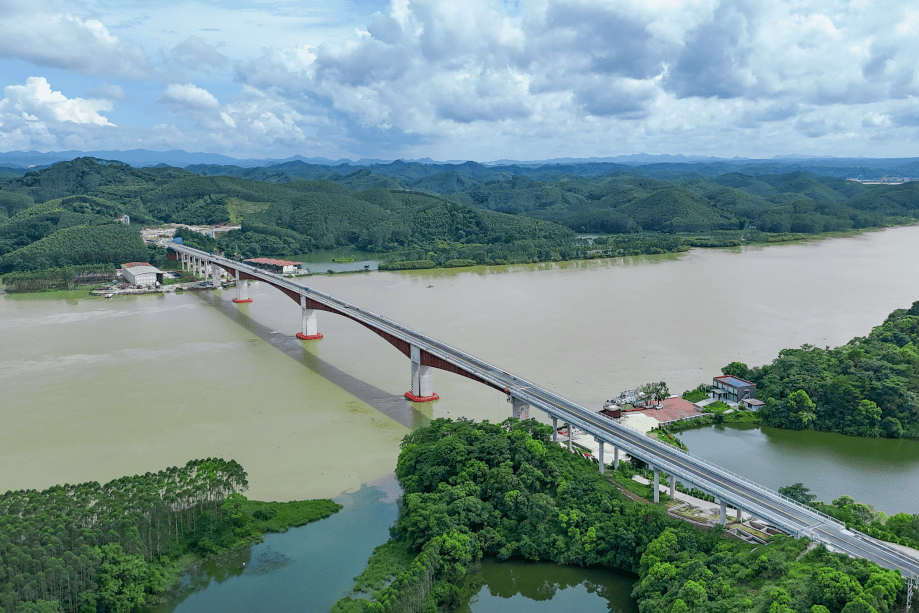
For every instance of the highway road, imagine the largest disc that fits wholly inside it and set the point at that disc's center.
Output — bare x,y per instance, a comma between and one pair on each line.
735,490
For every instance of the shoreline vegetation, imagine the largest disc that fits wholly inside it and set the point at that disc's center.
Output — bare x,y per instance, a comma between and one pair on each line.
504,491
44,282
119,546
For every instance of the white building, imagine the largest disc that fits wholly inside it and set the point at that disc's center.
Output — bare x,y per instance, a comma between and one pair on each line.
141,273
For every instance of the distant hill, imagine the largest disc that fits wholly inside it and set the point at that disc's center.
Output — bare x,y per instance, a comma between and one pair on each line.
434,212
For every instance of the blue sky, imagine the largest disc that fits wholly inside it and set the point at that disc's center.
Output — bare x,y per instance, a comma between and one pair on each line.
472,79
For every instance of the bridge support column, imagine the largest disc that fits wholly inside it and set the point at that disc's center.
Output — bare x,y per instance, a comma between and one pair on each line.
672,486
309,326
242,290
422,380
215,275
568,429
602,467
724,513
739,515
657,485
615,458
519,409
555,429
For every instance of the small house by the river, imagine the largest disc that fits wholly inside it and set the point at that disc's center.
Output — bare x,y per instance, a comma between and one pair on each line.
729,388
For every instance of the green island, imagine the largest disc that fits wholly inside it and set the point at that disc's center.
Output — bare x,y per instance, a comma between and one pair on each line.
57,223
504,491
119,546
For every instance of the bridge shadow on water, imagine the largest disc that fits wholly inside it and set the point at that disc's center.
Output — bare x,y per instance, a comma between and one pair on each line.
391,405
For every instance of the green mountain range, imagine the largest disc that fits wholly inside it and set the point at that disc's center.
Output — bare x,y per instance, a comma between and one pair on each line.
437,212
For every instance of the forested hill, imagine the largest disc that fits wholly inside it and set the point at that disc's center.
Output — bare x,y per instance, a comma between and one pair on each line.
867,387
429,214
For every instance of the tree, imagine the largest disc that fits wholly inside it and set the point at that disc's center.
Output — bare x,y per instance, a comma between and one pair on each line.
798,492
737,369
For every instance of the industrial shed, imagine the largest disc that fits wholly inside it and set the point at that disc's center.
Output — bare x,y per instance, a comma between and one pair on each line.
141,273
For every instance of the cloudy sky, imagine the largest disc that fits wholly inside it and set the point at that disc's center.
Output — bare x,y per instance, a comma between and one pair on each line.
465,79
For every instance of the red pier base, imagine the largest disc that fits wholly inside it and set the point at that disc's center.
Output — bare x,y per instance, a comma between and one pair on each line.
309,337
238,301
415,398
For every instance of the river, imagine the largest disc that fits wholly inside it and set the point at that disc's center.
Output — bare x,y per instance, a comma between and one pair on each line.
101,388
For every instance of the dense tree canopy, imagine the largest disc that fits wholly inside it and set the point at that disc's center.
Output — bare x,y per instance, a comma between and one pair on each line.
414,212
475,490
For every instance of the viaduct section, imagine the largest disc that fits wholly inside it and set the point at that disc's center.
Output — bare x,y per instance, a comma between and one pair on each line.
427,353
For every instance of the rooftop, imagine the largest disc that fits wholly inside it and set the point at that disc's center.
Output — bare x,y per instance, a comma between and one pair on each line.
734,381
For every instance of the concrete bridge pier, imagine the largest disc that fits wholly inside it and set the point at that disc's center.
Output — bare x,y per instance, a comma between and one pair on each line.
601,458
657,484
422,380
615,458
519,408
724,513
568,430
672,486
739,514
554,429
242,290
215,275
309,326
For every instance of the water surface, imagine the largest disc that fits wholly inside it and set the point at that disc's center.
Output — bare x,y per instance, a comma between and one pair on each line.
550,588
878,471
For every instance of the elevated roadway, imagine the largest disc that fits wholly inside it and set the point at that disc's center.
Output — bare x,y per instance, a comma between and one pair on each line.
728,487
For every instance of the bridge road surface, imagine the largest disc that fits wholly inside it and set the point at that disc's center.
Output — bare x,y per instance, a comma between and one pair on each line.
739,492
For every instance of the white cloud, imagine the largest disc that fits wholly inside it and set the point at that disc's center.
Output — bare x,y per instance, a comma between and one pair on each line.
485,79
195,53
43,35
35,116
189,97
37,102
108,92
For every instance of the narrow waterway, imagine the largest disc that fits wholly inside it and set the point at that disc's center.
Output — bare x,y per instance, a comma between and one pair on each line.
304,570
